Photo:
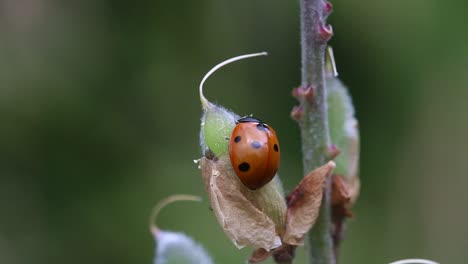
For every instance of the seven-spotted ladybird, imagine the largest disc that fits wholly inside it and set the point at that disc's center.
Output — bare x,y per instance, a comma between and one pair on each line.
254,152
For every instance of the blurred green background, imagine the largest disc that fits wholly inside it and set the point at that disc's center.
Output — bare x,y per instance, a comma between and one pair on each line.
100,116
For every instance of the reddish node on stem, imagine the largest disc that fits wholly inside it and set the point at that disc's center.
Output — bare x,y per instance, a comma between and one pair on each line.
306,93
325,32
327,8
297,92
333,151
297,112
309,94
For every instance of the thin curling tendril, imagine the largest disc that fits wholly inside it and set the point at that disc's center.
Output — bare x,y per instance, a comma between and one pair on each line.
204,101
414,261
163,203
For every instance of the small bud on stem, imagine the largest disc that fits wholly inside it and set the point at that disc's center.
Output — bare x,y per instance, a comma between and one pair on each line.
327,9
297,113
325,32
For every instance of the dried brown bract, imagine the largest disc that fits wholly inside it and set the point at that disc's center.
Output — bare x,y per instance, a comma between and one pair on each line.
241,217
304,204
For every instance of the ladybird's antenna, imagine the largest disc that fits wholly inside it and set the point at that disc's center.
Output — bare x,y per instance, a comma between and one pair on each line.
204,101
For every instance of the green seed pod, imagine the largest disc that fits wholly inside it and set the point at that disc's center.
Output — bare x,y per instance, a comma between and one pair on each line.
343,127
174,247
216,127
344,131
248,217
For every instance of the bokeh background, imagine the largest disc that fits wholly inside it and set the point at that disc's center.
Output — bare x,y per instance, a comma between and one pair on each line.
100,117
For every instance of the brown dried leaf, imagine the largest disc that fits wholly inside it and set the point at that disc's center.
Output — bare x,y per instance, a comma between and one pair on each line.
282,255
340,191
339,215
341,204
243,223
259,255
304,204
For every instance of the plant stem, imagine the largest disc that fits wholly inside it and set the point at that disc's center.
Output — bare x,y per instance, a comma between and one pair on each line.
314,122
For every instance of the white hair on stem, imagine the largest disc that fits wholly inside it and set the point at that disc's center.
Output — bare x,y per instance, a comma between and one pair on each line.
414,261
203,100
331,64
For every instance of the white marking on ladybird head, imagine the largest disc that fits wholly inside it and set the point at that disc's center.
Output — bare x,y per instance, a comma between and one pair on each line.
204,101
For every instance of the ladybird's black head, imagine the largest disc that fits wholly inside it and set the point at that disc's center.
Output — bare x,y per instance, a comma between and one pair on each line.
249,118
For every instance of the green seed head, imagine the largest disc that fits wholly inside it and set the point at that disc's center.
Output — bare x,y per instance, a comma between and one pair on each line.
216,128
344,132
263,211
217,123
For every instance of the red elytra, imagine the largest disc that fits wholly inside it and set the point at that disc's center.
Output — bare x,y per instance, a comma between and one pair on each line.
254,152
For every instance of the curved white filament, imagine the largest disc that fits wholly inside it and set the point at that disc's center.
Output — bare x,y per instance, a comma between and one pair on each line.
203,100
414,261
173,198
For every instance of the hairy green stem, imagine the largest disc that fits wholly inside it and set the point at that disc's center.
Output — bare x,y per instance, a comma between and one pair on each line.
314,122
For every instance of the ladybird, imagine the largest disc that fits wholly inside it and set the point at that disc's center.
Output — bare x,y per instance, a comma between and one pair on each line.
254,152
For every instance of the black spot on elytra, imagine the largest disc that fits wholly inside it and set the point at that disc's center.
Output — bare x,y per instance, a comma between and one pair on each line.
244,166
262,127
275,147
237,139
256,144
